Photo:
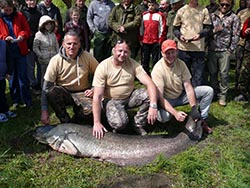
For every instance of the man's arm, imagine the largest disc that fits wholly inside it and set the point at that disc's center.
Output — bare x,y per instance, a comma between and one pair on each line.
179,115
190,93
153,97
195,112
98,128
44,102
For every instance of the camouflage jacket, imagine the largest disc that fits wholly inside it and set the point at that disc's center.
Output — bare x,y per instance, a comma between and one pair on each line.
227,38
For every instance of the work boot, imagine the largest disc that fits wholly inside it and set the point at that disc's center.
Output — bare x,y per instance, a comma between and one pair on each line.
206,128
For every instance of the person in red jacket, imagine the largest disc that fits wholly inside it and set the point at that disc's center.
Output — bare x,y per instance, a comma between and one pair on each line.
14,29
152,34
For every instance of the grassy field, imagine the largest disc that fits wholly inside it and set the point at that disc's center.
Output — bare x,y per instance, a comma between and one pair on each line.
221,160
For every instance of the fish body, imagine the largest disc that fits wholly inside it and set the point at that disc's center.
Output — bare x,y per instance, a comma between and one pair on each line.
120,149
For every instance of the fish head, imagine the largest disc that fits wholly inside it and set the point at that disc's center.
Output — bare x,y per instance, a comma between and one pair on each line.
194,129
41,133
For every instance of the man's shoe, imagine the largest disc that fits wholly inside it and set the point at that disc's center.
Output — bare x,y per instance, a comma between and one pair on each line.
240,98
10,114
3,118
206,128
140,131
222,102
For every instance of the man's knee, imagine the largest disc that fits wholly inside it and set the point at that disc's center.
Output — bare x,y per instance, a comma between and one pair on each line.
163,116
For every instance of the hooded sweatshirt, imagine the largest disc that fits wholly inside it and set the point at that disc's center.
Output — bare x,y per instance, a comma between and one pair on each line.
45,44
72,74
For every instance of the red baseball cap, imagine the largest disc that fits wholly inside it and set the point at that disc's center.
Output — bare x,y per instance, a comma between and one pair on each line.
167,45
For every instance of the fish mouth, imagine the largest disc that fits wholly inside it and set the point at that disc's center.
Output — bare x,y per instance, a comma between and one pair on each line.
40,133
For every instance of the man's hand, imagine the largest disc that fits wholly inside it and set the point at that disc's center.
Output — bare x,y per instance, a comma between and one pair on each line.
45,117
89,93
195,113
98,130
180,116
152,115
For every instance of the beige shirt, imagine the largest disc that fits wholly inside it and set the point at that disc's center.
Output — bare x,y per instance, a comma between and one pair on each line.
66,73
118,81
243,15
191,21
170,80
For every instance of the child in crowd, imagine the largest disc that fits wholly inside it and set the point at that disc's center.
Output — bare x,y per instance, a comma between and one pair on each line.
45,43
5,113
152,34
79,27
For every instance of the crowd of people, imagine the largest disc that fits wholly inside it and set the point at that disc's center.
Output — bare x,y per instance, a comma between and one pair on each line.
180,52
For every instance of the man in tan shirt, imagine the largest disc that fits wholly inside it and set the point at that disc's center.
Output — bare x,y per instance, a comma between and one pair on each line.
114,88
66,81
173,80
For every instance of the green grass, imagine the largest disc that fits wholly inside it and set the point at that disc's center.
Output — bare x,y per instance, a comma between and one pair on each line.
220,160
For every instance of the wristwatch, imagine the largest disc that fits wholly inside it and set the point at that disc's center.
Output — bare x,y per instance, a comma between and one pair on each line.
153,105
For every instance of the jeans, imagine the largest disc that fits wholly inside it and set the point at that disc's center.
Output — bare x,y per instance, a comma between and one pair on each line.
204,96
19,83
218,65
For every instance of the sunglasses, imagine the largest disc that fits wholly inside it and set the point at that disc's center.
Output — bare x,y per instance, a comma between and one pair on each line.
225,4
120,41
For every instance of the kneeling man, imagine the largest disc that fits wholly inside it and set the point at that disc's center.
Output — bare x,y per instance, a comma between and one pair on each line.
114,88
172,78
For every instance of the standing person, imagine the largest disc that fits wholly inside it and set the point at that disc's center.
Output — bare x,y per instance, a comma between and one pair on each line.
172,79
125,21
46,7
152,34
5,113
80,4
213,6
33,16
66,81
114,81
221,45
243,15
242,5
191,25
14,29
175,5
244,78
165,7
97,18
143,6
77,26
45,43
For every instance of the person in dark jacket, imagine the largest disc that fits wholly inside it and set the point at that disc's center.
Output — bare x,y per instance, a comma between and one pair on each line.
32,15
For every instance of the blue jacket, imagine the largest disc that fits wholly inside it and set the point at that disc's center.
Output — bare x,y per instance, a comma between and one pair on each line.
3,64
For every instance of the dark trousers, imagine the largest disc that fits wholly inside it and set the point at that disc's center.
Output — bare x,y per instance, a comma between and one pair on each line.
3,101
59,98
195,62
102,46
147,51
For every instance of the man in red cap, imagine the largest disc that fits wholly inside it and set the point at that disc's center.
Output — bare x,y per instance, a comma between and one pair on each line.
173,80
